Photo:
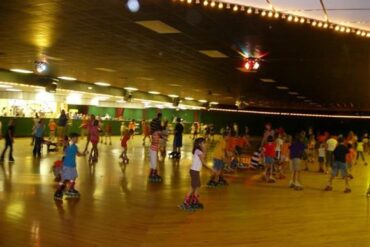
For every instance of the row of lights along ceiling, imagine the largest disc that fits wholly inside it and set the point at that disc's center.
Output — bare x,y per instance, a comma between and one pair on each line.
277,14
105,84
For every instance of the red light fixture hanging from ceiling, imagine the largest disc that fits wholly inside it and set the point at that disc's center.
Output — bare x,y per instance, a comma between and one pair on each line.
251,64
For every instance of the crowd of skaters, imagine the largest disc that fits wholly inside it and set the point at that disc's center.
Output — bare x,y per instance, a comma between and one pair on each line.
331,154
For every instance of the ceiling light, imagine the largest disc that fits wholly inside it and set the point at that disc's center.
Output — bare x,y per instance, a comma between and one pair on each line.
296,19
205,3
13,90
302,20
102,84
121,101
314,23
293,93
203,101
90,88
41,66
267,80
189,98
213,4
263,13
173,96
5,86
189,1
220,5
270,14
358,32
326,25
67,78
213,103
154,92
249,11
23,71
290,18
337,28
131,88
320,24
276,15
236,8
133,5
282,87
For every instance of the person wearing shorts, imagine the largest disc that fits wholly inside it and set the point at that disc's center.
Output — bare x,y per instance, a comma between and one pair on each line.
219,155
339,166
296,152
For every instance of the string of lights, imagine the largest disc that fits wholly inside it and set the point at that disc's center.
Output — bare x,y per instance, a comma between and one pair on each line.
273,14
291,114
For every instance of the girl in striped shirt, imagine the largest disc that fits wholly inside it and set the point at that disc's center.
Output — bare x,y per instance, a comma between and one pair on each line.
153,152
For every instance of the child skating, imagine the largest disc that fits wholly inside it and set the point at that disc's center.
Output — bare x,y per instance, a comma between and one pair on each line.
297,150
153,153
124,141
94,139
69,171
191,201
339,164
269,154
219,155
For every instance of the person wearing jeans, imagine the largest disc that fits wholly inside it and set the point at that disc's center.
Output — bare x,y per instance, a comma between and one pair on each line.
9,140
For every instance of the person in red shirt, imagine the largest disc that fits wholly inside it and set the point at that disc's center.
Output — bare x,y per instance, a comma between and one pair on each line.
124,141
269,154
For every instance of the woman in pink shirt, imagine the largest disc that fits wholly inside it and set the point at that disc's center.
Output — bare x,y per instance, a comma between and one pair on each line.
94,139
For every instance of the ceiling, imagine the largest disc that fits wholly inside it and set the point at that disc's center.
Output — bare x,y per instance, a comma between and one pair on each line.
95,40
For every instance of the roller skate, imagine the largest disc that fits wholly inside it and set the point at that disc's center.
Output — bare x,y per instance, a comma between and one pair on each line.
125,160
186,205
154,177
298,186
222,181
291,184
177,155
212,184
270,180
58,195
347,190
328,188
172,155
195,203
72,193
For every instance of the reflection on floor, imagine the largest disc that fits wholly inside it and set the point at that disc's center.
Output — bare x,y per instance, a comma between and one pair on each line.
118,207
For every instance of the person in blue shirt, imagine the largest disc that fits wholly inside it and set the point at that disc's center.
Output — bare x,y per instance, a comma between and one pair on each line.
69,171
39,134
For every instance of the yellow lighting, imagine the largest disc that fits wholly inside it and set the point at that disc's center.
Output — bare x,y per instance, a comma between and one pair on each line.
296,19
326,25
202,101
236,8
342,29
154,92
189,1
363,34
337,28
320,24
302,20
173,96
277,15
270,14
205,3
290,18
67,78
314,23
220,5
213,4
348,30
189,98
131,88
358,32
23,71
249,11
102,84
263,13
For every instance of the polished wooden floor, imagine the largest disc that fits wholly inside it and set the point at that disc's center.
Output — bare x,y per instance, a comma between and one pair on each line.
118,207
